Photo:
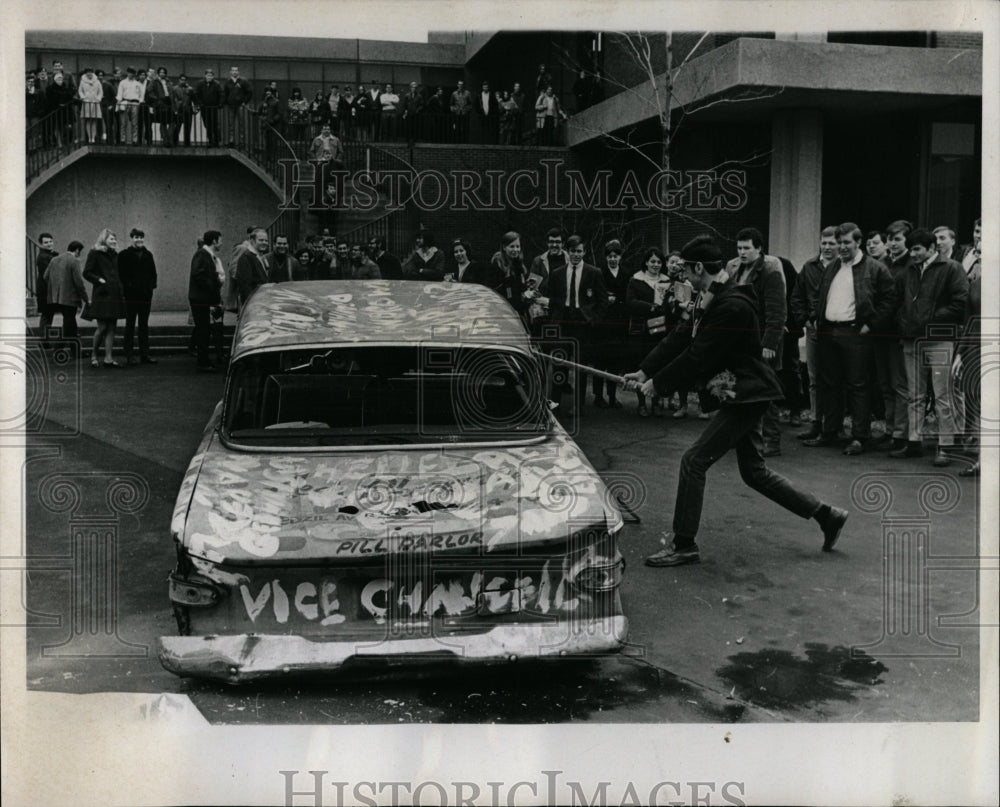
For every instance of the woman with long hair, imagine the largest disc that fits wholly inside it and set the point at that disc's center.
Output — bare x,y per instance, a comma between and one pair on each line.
107,301
510,264
646,298
469,271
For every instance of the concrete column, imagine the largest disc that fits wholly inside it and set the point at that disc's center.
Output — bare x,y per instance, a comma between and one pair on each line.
796,184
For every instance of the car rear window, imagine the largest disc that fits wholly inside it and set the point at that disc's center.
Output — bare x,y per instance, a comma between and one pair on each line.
383,395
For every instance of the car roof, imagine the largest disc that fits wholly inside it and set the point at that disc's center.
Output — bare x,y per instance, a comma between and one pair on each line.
333,312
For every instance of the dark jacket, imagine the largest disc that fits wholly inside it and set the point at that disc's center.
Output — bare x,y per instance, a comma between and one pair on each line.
727,339
106,299
768,281
137,271
41,264
204,285
617,314
237,93
416,268
208,93
805,292
591,293
937,297
874,293
389,266
250,274
282,271
485,274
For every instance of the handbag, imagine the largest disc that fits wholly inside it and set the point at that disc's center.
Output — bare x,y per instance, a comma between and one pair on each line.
87,313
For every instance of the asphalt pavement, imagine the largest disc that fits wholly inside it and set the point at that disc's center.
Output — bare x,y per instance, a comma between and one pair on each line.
766,628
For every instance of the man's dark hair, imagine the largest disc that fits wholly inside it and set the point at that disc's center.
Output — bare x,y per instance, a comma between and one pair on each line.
44,236
851,229
211,236
703,249
614,245
379,241
75,246
182,76
751,234
875,234
555,232
573,242
921,237
898,226
252,229
299,253
280,235
136,232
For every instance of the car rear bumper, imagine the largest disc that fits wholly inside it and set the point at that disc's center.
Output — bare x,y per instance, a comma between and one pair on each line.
244,657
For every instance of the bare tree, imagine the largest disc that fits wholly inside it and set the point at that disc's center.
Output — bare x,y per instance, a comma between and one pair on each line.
656,90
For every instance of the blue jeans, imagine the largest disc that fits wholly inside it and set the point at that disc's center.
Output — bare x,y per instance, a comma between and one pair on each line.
734,426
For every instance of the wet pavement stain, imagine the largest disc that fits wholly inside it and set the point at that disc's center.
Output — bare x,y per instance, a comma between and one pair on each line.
528,693
779,679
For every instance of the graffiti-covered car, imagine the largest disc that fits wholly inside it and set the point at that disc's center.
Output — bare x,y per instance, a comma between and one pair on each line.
383,479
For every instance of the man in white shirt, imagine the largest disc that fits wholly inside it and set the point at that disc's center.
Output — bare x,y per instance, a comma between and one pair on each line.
857,296
390,103
131,95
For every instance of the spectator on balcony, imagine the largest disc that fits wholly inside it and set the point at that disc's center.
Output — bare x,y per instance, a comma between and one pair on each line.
42,259
333,99
489,114
237,94
360,266
109,91
107,302
34,110
427,261
60,103
388,265
411,109
273,120
158,101
549,115
461,110
130,97
517,96
319,113
58,70
435,115
42,77
390,111
65,287
375,110
137,271
145,128
510,119
347,113
361,113
91,93
298,116
207,99
181,105
543,80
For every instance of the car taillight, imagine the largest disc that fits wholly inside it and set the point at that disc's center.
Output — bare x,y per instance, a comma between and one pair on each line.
192,593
